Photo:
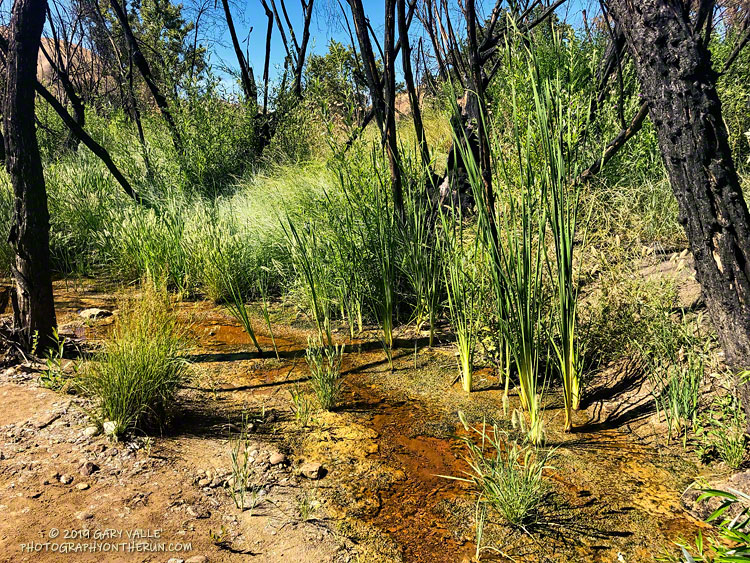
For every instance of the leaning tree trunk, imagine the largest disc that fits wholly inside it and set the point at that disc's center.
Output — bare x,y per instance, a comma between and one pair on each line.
33,303
679,85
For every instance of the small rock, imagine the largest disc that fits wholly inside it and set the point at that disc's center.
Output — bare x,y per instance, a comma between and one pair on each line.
84,516
175,560
277,458
198,512
66,479
91,431
109,427
216,481
204,482
197,559
94,313
88,468
311,470
82,486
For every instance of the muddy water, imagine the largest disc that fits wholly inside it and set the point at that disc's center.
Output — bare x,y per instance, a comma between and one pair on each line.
621,497
411,509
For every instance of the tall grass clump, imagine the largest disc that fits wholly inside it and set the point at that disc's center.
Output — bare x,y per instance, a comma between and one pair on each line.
324,362
674,356
508,476
561,122
308,263
421,255
383,228
135,377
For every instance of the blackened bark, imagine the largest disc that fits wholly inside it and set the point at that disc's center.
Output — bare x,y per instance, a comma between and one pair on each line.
476,108
145,70
416,112
674,68
307,10
33,302
246,77
60,66
382,93
267,60
81,135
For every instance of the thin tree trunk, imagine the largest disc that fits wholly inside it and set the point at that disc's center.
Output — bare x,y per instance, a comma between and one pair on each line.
674,68
476,109
389,92
33,301
382,94
416,112
144,69
60,67
307,10
248,81
267,59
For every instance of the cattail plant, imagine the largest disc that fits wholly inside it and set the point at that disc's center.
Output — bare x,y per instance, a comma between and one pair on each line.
462,282
560,122
514,241
303,246
420,254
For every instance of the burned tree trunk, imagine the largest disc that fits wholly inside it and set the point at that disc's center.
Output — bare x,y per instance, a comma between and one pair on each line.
674,69
246,73
382,91
33,302
416,112
145,70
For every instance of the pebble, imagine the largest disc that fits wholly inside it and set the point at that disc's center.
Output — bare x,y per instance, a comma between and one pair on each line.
109,427
204,482
66,479
198,512
88,468
175,560
91,431
94,313
82,486
277,458
311,470
84,516
197,559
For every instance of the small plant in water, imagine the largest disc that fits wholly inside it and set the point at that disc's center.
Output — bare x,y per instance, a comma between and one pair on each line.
301,406
734,532
325,371
238,309
506,474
